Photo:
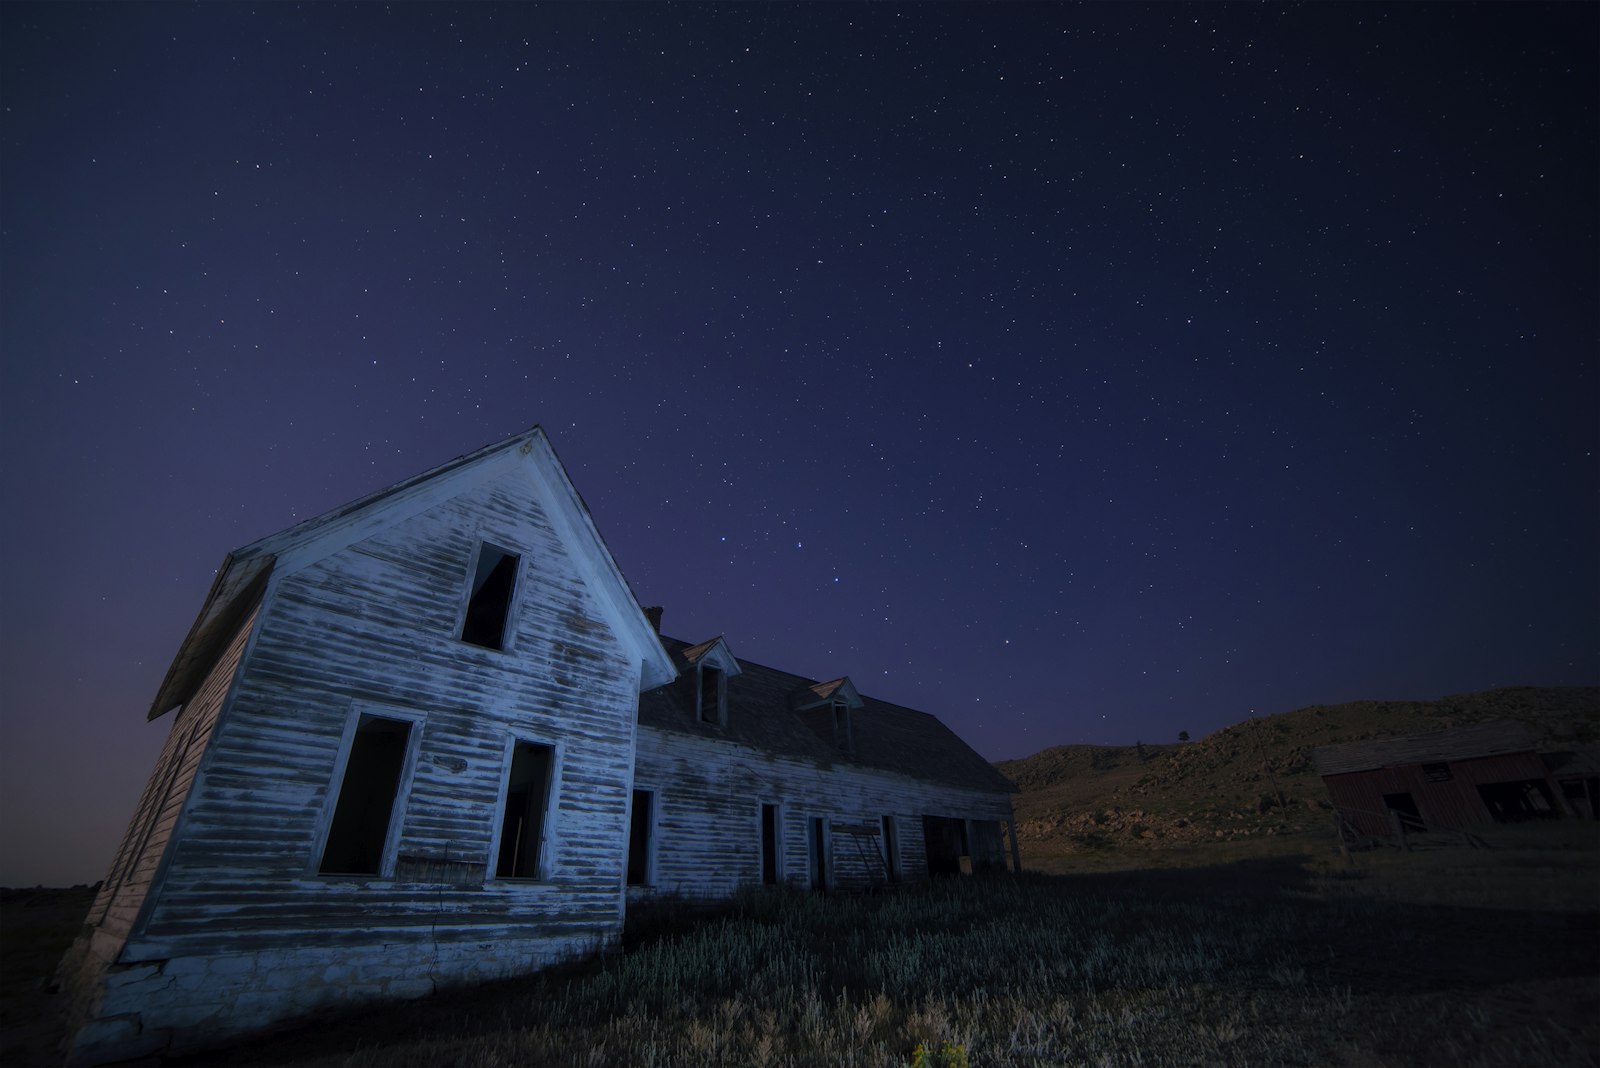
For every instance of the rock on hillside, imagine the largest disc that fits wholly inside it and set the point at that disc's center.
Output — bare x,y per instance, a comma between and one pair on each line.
1253,778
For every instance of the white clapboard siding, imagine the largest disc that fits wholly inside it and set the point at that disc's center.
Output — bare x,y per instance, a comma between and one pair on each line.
708,794
373,627
124,890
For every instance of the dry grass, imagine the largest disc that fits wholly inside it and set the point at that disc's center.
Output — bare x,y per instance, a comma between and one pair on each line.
1441,956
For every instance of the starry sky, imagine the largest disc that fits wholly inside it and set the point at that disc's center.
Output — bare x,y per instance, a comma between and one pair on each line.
1074,373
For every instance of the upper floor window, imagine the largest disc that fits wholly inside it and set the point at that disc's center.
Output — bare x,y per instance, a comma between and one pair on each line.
842,736
710,665
494,584
713,695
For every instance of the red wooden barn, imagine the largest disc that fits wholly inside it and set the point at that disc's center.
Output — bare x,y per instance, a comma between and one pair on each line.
1446,780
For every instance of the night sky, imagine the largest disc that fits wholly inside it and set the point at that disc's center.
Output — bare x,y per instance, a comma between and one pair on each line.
1076,374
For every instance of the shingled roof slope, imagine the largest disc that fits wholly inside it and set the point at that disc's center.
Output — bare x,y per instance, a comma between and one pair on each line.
888,737
1495,738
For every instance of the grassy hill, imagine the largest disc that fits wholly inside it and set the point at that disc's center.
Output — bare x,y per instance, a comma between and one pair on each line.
1245,790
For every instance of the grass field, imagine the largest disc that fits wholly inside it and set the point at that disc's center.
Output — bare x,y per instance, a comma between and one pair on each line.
1445,955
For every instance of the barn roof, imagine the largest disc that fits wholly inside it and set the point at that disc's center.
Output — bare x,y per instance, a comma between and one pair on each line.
1573,764
244,573
1495,738
886,737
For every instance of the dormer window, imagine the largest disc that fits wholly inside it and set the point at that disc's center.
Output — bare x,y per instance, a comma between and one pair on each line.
713,695
842,737
712,664
829,709
494,583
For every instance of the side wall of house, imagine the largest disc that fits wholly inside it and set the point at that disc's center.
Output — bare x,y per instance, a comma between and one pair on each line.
707,833
244,932
126,887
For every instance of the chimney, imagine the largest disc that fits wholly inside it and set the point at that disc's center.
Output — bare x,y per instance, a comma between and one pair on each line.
653,614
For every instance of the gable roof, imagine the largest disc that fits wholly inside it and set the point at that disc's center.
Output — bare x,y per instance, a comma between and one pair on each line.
887,737
244,573
1495,738
825,693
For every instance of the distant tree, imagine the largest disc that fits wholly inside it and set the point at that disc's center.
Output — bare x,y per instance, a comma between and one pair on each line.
1183,736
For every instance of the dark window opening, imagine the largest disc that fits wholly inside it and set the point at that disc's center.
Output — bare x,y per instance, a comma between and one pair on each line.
1405,806
1436,773
639,834
841,727
711,691
769,845
819,853
1509,802
945,840
361,816
891,851
490,604
522,826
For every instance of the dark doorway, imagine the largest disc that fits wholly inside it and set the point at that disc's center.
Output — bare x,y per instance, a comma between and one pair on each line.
986,846
1512,802
522,826
891,851
945,840
819,853
769,845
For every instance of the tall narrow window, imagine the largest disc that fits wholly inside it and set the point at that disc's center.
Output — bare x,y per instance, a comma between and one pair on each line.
771,871
493,583
522,827
891,851
712,691
842,736
639,834
361,817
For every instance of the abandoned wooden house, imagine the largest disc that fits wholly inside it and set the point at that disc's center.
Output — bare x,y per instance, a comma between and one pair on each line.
1451,780
431,738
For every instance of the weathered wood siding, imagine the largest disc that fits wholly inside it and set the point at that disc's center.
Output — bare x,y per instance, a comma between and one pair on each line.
137,859
708,797
375,626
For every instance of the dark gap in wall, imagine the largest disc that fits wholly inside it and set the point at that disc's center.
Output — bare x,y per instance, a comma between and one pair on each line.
769,845
522,828
639,838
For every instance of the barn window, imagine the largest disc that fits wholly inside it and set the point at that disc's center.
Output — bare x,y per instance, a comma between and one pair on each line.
771,842
523,823
1436,773
359,834
713,697
1528,799
494,581
641,835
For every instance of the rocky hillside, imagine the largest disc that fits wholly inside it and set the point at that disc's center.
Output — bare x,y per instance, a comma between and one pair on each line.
1253,779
